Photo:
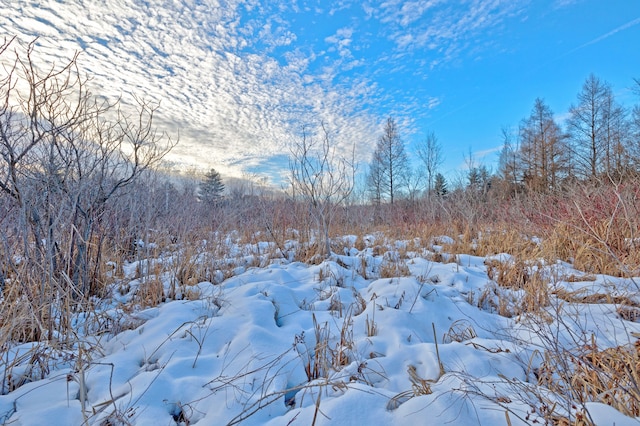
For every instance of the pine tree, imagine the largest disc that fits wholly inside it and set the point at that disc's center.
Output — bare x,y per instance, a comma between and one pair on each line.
211,188
474,178
440,185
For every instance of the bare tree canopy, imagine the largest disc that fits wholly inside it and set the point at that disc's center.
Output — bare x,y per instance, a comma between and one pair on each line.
322,177
389,168
430,152
64,153
596,129
634,139
543,149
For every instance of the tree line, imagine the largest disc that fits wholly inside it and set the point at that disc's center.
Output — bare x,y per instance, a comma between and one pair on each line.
600,139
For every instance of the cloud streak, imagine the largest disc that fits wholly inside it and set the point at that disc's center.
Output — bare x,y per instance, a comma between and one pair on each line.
611,33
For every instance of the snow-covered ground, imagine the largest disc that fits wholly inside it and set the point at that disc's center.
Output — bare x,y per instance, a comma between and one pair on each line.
295,344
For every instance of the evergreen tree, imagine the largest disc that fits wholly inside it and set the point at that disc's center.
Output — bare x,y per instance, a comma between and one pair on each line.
479,179
211,188
474,178
440,185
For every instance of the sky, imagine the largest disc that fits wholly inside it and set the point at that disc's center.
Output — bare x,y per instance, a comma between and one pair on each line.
238,81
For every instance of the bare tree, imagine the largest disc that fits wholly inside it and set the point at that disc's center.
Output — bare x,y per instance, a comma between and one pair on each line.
323,178
64,154
390,164
616,138
430,152
414,183
591,128
635,130
376,181
543,150
509,163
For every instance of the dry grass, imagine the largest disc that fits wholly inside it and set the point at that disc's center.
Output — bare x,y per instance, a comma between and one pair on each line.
419,386
32,365
335,305
507,274
341,355
465,243
323,358
579,296
150,293
518,275
311,254
494,300
610,376
572,278
460,330
595,227
359,305
627,307
492,238
315,361
596,250
21,320
189,271
394,268
371,328
629,313
504,238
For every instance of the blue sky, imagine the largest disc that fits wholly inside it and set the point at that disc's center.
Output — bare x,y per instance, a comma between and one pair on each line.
239,79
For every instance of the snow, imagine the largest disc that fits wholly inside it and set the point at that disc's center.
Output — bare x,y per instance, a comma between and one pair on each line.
244,351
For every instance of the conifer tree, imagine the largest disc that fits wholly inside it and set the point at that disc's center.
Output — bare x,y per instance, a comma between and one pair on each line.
211,188
440,185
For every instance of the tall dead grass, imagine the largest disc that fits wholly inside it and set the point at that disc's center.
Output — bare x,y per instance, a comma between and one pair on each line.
610,376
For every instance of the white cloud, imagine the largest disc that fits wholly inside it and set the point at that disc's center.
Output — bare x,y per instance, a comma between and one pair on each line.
239,81
433,102
341,41
559,4
232,102
441,25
